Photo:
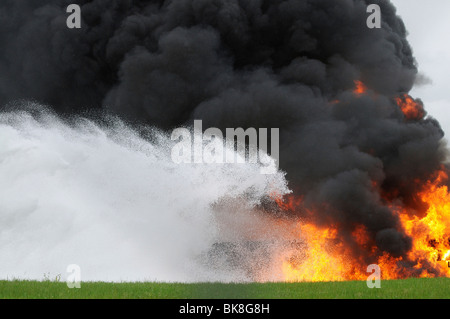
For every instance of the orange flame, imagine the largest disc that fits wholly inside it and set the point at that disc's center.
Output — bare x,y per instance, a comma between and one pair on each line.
326,258
412,109
431,233
360,88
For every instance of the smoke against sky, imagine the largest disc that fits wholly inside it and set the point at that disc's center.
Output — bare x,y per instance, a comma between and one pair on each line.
427,25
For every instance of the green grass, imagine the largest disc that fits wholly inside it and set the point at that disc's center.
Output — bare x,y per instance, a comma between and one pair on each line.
438,288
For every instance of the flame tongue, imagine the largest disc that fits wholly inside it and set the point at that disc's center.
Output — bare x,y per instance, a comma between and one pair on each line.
360,88
412,109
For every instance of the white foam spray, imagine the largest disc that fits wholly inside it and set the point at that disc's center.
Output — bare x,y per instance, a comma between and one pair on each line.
112,202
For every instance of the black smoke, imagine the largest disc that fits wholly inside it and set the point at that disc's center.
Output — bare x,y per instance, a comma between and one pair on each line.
237,63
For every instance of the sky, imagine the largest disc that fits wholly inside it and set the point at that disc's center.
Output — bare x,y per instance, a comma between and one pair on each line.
428,24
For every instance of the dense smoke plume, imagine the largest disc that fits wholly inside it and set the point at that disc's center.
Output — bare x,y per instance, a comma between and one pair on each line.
235,63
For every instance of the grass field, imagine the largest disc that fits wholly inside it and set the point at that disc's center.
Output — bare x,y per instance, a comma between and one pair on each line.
438,288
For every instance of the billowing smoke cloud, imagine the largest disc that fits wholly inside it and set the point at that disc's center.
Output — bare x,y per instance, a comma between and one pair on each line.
264,63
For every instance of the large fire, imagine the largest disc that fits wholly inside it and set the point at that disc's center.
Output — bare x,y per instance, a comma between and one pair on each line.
431,233
326,258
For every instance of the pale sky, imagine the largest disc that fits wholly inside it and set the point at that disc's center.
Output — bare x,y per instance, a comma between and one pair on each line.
428,24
